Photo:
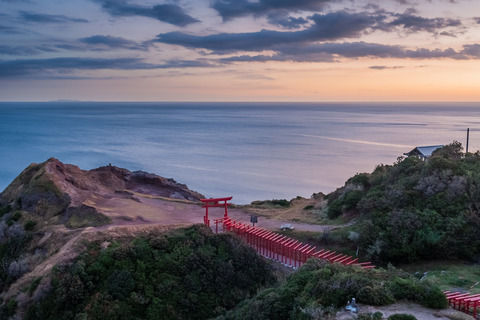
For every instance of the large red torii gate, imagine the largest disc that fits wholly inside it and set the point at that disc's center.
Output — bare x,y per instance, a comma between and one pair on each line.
215,203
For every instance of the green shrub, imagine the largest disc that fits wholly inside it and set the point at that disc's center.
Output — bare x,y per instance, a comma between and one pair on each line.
15,217
361,179
375,295
352,198
334,209
33,286
120,284
401,316
431,296
8,309
404,288
29,225
424,292
5,210
309,207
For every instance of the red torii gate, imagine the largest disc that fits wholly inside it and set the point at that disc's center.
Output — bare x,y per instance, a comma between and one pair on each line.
215,203
278,247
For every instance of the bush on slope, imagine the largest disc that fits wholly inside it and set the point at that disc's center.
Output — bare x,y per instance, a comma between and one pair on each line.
185,274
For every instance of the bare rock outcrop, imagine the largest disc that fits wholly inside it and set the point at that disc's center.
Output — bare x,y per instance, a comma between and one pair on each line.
57,191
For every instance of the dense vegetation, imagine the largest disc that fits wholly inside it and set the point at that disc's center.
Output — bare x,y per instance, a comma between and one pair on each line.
15,237
183,274
416,209
319,288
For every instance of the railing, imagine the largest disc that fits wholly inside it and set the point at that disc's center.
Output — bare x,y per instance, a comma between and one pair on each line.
280,248
465,302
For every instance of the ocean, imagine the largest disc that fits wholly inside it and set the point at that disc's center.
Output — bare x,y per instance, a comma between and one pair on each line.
250,151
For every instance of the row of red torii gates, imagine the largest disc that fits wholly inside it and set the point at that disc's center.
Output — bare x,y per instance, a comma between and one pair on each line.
465,302
294,253
275,246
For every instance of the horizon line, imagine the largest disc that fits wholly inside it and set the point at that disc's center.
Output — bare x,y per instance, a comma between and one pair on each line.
241,101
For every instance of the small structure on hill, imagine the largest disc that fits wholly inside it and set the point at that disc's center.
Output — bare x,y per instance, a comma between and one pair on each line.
423,152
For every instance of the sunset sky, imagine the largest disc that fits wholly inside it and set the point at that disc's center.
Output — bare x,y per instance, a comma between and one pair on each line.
240,50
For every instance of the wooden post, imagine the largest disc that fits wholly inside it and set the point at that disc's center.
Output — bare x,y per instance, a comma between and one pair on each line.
206,216
468,139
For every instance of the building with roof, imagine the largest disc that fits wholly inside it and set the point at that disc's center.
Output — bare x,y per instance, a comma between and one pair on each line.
423,152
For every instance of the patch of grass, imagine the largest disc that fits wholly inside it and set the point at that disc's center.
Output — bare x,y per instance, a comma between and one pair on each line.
309,207
34,285
449,275
86,217
282,203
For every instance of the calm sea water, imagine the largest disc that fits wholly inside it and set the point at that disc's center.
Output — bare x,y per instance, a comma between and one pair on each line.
248,150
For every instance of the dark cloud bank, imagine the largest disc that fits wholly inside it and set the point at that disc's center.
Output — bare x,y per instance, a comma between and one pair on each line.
48,18
169,13
325,37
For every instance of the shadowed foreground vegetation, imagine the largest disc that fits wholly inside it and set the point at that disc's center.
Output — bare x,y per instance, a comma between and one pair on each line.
184,274
319,288
192,273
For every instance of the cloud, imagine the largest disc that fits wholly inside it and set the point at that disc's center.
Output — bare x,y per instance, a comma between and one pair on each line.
229,9
104,42
9,29
472,50
169,13
92,43
330,26
54,67
329,52
385,67
48,18
282,19
324,27
18,50
416,23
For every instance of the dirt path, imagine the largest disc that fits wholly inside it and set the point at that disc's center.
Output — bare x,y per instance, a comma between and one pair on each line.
421,313
146,209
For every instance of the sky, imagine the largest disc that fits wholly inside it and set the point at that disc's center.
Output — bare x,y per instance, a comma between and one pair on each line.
240,50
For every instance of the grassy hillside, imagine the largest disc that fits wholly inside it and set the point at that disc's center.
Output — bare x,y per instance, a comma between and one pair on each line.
415,209
184,274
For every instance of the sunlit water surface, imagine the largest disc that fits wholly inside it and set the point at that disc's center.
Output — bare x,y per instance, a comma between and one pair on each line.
249,150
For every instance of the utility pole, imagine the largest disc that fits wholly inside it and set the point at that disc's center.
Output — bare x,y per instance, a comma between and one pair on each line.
468,138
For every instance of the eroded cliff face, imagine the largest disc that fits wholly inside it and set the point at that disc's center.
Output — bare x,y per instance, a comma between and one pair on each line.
57,191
